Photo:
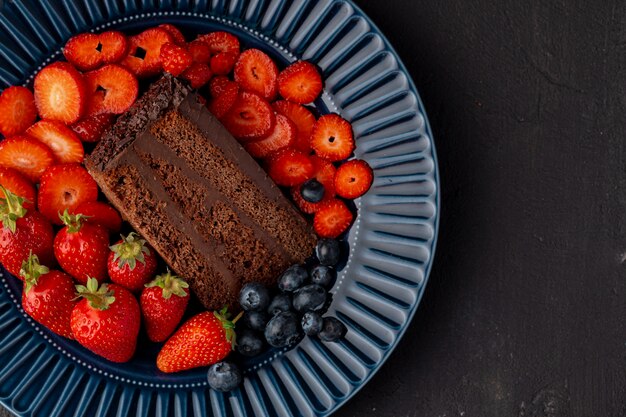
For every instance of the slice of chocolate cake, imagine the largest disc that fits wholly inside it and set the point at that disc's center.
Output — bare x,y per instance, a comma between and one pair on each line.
185,184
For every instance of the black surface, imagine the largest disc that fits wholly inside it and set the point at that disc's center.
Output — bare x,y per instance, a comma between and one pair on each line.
525,309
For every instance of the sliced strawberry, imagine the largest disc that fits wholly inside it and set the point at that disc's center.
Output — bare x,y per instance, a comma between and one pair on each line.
62,141
300,82
223,63
101,213
221,42
218,85
17,110
177,35
143,57
175,59
113,89
325,174
83,51
332,219
65,186
257,73
289,167
197,74
283,135
224,101
91,128
332,138
27,155
16,183
302,118
113,46
353,179
60,93
250,118
200,51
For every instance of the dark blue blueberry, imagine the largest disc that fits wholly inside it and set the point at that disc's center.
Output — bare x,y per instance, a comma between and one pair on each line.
224,376
332,330
323,275
249,343
256,320
292,278
328,252
311,323
254,297
282,330
312,191
280,303
311,297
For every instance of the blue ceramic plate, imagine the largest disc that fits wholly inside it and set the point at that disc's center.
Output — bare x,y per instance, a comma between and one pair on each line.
391,243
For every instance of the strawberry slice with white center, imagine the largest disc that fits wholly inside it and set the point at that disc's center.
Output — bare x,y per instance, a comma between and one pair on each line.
283,135
300,82
250,118
60,93
221,42
256,72
17,110
16,183
144,50
113,89
26,155
61,140
302,118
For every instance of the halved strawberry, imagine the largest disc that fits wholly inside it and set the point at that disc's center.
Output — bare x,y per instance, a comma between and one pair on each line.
289,167
197,74
332,137
332,219
353,179
302,118
62,141
143,57
257,73
250,118
17,110
83,51
100,213
218,84
27,155
325,174
91,128
16,183
65,186
174,58
283,135
221,42
223,63
113,46
177,35
200,51
113,89
60,93
224,101
300,82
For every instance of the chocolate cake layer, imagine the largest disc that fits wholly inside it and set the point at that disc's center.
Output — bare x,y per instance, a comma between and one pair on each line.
188,187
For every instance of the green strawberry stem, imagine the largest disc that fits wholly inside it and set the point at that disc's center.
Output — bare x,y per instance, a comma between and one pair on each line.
130,250
11,209
31,271
74,222
229,325
98,298
170,284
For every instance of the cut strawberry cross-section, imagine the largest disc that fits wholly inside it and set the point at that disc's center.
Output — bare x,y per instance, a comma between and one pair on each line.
332,137
16,183
27,155
289,167
60,93
91,128
300,82
113,89
283,135
17,110
143,57
302,118
83,51
221,42
256,72
250,118
61,140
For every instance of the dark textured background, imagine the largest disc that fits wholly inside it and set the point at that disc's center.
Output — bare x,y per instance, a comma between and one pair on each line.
525,309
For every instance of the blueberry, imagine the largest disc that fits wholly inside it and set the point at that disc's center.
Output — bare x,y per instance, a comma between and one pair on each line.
256,320
292,278
332,330
280,303
311,323
328,252
224,376
282,330
312,191
249,343
254,297
323,275
309,298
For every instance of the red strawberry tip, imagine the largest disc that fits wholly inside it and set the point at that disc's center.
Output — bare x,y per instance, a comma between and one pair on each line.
31,271
11,209
170,285
130,250
99,297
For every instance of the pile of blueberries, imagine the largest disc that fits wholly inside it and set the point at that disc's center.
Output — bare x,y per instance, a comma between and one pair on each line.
296,310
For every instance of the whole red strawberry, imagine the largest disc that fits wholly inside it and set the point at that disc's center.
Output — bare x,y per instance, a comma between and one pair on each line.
49,296
163,304
106,321
203,340
131,262
23,232
82,248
